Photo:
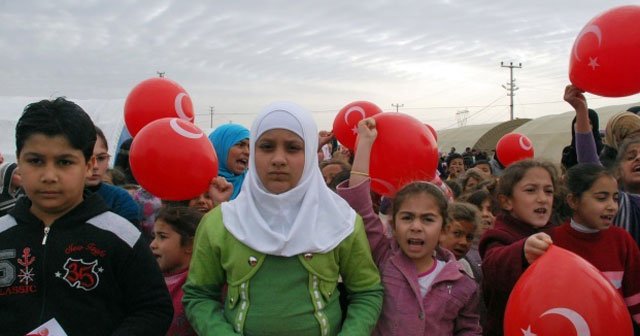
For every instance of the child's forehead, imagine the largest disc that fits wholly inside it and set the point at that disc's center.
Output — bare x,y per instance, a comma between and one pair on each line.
464,225
43,144
536,175
420,202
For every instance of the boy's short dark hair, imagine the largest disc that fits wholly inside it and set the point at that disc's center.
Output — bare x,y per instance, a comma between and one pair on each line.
58,117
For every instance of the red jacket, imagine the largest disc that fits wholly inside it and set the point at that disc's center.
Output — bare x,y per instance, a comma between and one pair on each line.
503,261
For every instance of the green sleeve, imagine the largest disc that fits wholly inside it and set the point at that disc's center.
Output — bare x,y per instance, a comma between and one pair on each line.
362,280
203,288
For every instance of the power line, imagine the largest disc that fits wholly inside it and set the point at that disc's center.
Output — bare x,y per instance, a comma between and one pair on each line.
475,113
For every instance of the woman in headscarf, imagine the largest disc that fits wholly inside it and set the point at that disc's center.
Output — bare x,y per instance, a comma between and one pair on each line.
231,142
569,156
282,244
619,127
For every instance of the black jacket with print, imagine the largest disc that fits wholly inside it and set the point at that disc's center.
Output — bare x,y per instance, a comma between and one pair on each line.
91,270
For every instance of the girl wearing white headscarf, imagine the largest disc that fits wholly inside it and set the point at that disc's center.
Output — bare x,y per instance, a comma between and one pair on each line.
282,244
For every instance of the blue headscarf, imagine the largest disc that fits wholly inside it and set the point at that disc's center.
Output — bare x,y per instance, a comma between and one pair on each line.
223,138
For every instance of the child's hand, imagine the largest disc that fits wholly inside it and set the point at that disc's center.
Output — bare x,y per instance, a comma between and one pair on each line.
536,245
220,190
324,137
575,98
367,130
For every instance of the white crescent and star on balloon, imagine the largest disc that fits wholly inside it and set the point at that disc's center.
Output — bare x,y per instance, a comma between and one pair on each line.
175,125
595,30
358,109
525,143
578,322
178,106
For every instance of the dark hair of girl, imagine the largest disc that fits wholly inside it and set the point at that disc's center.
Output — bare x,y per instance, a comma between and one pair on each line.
183,220
416,188
515,172
582,176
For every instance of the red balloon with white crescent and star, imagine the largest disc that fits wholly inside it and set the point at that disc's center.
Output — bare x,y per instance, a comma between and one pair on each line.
345,125
605,58
563,294
153,99
513,147
404,151
173,159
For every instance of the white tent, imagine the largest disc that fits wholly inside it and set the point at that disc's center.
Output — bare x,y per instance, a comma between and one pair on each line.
550,134
106,113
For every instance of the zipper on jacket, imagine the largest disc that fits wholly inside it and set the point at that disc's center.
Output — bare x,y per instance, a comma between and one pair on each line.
43,274
46,234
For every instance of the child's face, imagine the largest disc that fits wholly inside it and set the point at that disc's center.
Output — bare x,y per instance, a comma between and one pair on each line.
457,237
417,226
532,198
597,206
238,157
330,171
471,183
484,169
487,217
456,167
630,167
202,203
101,165
53,175
165,246
279,160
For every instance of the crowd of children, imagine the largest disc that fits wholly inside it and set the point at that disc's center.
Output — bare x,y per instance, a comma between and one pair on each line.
291,240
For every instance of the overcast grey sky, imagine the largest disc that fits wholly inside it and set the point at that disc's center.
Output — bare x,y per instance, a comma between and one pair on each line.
435,57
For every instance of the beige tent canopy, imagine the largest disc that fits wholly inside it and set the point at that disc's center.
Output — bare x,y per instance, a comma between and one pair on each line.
481,137
549,134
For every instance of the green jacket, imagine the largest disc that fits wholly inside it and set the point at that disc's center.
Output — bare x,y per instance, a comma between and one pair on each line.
219,259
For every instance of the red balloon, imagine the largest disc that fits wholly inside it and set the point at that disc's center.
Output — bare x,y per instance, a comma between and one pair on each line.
345,125
404,151
433,131
604,58
514,147
153,99
562,294
173,159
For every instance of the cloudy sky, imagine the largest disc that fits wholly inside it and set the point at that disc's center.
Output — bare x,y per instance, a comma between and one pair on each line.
434,57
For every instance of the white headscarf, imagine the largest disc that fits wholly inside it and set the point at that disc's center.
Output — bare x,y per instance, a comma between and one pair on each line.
310,218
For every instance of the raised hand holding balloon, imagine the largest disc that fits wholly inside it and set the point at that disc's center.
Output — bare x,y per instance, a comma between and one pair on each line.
153,99
345,125
562,294
404,151
513,147
173,159
605,54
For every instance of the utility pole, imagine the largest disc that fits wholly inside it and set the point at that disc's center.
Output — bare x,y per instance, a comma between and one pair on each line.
160,74
397,106
211,109
461,117
511,85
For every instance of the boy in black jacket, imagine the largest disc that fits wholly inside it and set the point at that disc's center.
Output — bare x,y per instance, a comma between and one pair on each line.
63,254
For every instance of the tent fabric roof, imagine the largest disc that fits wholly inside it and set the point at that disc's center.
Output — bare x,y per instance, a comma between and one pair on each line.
550,134
482,137
108,114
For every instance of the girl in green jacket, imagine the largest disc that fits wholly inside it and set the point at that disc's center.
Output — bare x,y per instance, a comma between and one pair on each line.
282,245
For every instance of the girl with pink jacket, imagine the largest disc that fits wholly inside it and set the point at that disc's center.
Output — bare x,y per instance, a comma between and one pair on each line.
426,290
